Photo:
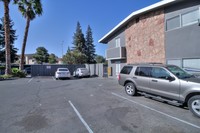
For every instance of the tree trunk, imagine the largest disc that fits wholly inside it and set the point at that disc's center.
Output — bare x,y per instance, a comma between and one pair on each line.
24,43
7,36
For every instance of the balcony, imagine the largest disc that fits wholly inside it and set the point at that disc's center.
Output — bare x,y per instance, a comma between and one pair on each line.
116,53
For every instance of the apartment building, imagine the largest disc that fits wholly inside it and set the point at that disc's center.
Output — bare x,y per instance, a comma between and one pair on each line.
165,32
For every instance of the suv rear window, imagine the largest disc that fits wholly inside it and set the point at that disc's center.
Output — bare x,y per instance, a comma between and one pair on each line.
143,71
63,69
126,70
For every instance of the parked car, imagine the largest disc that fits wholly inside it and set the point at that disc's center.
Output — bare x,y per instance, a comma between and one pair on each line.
62,73
81,72
27,70
167,83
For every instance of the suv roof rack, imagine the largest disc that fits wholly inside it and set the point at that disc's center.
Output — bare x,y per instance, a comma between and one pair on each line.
147,63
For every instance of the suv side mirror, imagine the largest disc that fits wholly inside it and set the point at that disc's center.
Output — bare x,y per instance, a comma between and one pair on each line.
170,78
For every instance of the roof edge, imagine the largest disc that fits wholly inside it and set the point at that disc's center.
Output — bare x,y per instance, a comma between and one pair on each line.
146,9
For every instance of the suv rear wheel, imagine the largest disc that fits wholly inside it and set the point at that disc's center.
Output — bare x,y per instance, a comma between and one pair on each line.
130,89
194,105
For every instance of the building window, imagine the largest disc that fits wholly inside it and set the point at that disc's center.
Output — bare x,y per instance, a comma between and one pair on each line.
190,18
117,42
173,23
174,62
182,20
191,63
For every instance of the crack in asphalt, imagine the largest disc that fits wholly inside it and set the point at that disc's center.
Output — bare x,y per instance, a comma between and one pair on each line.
37,101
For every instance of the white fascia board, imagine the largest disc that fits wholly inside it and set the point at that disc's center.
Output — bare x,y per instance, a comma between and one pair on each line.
146,9
116,58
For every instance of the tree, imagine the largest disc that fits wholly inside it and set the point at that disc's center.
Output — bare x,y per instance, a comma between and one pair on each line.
67,58
7,36
41,55
13,50
29,9
52,59
100,59
79,40
13,54
68,49
90,48
74,57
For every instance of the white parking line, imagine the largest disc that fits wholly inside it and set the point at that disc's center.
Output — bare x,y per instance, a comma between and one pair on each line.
81,118
157,111
53,78
30,80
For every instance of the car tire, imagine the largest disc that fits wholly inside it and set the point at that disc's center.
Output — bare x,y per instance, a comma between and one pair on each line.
130,89
194,105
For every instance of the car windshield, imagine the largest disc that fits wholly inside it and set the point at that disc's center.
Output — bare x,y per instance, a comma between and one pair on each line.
63,69
180,73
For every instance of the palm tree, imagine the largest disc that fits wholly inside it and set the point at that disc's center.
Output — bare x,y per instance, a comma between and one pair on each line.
29,9
7,35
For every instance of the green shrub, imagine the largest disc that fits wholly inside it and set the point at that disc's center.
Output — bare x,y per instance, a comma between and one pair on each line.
2,67
5,76
18,73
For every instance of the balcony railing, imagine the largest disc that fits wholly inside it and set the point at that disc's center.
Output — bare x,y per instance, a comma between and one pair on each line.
116,53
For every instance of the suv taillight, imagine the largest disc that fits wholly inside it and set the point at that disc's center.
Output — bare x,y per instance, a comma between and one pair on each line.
118,77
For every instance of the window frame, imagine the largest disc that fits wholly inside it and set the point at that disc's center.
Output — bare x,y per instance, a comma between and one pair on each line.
127,71
138,73
179,16
167,72
186,60
117,42
191,23
181,20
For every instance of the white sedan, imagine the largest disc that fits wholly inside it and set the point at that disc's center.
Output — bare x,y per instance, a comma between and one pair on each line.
62,73
81,72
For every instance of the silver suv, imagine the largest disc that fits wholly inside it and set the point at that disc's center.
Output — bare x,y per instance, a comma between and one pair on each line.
167,83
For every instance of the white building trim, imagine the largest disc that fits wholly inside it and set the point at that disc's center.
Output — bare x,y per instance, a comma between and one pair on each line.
136,13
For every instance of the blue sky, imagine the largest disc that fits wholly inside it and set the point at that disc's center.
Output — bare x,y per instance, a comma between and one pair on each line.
59,20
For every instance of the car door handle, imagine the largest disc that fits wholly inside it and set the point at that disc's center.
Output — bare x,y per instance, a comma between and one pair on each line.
134,77
154,80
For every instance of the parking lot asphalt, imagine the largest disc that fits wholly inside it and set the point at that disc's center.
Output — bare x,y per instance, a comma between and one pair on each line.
94,105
